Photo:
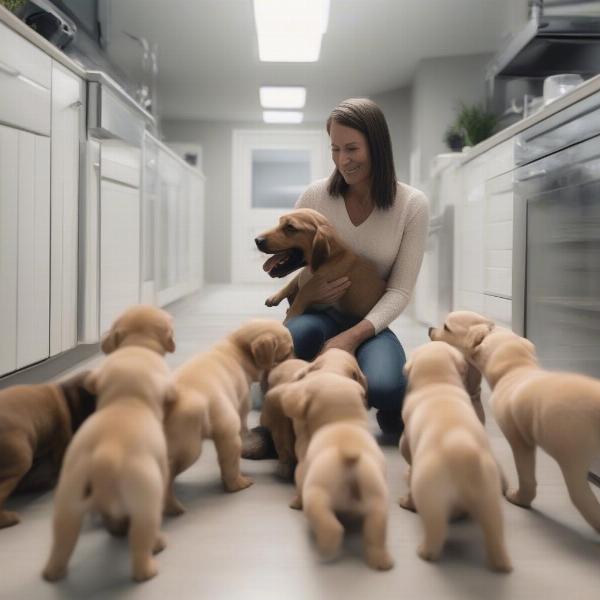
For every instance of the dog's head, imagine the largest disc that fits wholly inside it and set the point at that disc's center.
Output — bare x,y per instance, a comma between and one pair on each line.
435,362
135,372
268,342
80,401
285,372
302,237
336,360
321,399
141,325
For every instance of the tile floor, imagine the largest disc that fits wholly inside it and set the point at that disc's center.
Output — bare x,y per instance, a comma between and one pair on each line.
251,545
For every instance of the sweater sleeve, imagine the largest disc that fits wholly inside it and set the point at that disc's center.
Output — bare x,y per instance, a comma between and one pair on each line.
405,269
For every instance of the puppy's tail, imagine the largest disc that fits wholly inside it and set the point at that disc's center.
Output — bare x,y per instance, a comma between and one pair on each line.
350,456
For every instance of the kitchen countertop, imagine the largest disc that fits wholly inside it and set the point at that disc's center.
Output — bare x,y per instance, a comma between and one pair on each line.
18,26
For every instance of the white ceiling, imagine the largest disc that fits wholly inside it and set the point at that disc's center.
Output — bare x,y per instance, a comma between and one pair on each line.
208,56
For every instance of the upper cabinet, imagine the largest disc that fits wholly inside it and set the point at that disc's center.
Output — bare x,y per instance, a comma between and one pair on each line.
68,131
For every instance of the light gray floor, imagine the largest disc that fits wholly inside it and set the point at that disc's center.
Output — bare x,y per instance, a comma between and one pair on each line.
251,545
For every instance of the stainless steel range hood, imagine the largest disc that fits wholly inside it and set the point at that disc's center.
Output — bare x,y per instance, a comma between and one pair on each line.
548,45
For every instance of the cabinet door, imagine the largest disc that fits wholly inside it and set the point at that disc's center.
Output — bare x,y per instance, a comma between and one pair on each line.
67,127
9,144
33,262
119,250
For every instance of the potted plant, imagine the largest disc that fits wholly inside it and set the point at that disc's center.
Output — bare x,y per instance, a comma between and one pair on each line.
454,138
476,123
13,5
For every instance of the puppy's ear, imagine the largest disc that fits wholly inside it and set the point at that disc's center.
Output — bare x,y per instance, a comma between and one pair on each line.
264,350
407,368
167,339
292,397
321,249
360,378
476,334
90,383
111,340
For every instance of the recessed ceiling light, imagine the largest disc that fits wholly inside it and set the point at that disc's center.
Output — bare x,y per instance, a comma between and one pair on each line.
289,30
282,116
282,97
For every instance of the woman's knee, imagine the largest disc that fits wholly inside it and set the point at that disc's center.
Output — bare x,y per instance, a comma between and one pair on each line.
387,394
308,335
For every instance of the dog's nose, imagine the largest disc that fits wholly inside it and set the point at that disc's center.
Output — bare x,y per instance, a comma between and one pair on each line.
260,242
429,331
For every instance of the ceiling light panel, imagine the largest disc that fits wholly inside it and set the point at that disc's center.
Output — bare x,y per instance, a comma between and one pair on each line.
282,97
282,116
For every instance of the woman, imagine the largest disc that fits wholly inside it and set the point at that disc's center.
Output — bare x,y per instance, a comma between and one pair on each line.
382,220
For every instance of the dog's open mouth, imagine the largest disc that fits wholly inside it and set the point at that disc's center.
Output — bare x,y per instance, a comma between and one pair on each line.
282,263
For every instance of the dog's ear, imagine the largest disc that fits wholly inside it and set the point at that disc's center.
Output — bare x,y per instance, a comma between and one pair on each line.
360,378
264,350
362,390
292,397
321,250
476,334
111,340
167,339
90,383
407,368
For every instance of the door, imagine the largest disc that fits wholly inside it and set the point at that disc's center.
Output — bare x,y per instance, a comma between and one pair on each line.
67,128
271,169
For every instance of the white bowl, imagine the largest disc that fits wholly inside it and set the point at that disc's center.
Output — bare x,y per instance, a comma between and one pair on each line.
556,86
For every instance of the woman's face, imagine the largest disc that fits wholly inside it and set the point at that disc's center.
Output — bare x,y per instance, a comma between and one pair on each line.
350,153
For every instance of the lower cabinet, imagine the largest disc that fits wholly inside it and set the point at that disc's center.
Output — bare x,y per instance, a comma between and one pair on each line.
24,248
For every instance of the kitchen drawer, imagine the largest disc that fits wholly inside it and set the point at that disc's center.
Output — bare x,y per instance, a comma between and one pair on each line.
499,259
498,309
498,281
499,207
121,163
500,159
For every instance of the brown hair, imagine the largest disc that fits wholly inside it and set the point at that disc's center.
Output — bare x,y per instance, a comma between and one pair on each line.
365,116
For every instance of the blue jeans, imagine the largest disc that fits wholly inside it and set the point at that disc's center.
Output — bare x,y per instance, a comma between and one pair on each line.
381,358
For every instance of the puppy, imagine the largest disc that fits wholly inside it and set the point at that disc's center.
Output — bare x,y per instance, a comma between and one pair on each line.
305,237
343,472
117,463
36,426
283,430
560,412
213,399
452,468
141,325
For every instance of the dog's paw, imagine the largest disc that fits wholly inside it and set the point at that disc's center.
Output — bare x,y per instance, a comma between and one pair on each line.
514,497
159,544
8,519
173,508
146,571
285,471
502,565
407,503
54,572
379,559
296,503
240,483
273,301
426,553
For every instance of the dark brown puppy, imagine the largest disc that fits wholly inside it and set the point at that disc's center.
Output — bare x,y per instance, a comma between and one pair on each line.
305,237
36,425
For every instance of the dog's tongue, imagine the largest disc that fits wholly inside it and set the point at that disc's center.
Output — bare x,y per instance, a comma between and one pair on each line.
271,262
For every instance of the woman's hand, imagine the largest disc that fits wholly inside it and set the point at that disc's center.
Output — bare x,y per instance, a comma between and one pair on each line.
344,341
320,291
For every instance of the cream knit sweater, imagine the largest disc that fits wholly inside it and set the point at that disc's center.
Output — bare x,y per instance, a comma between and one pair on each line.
393,239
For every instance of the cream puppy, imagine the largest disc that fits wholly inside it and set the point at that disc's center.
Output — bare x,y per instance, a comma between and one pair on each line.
116,464
343,472
213,400
560,412
452,467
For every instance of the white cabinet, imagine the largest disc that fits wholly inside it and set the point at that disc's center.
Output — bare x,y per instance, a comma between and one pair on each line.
68,108
25,248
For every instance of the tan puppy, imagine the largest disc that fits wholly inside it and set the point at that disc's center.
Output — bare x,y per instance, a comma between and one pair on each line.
343,471
305,237
452,467
213,399
272,416
36,425
560,412
141,325
117,463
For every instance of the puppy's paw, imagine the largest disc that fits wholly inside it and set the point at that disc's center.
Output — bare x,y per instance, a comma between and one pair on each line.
146,571
173,508
502,565
407,503
296,503
426,553
285,471
515,497
329,542
159,544
240,483
274,300
379,559
54,572
8,519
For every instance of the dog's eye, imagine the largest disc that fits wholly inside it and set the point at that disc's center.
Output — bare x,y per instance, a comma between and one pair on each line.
446,328
290,229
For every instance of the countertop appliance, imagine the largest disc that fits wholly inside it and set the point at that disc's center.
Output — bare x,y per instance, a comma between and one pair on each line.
556,252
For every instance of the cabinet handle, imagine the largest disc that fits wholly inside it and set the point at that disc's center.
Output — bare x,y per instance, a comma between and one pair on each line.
77,104
9,70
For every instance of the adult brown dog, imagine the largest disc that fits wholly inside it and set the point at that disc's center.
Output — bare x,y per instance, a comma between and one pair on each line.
305,237
343,469
273,417
213,400
560,412
36,426
452,469
141,325
117,463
